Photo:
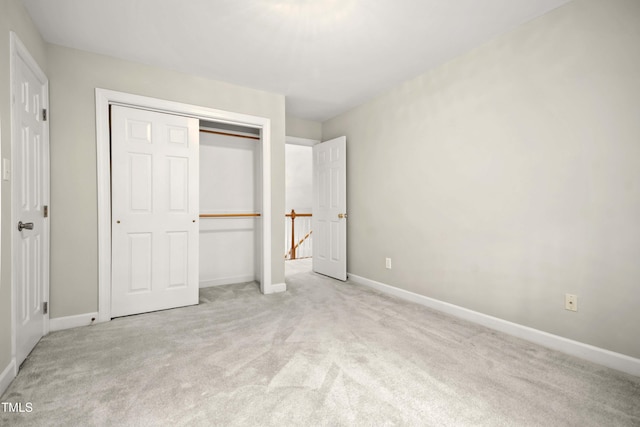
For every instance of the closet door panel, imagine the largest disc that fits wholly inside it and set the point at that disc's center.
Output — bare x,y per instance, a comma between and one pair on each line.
140,182
178,184
154,211
140,249
178,136
178,259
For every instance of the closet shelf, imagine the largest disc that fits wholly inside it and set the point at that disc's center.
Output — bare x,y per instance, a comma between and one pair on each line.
228,215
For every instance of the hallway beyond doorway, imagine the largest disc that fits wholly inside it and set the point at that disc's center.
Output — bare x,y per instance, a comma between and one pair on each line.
297,266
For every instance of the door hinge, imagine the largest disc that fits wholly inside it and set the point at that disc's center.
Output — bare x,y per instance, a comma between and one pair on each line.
45,307
46,211
44,114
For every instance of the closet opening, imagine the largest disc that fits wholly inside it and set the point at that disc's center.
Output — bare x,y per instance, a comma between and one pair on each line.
230,199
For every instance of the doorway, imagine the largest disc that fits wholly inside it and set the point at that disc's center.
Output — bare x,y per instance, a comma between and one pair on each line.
298,200
324,187
106,98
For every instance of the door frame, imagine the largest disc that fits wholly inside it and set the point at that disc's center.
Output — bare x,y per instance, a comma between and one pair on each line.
104,98
19,50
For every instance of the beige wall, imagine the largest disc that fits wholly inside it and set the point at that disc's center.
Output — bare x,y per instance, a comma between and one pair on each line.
302,128
13,17
510,176
74,75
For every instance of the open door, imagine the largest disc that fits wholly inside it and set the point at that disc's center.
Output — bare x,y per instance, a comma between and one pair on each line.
330,208
155,198
30,195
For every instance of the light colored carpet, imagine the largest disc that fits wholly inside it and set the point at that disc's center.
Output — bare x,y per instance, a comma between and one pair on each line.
323,353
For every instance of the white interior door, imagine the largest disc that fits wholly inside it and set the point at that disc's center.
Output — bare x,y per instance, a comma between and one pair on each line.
30,193
154,222
330,208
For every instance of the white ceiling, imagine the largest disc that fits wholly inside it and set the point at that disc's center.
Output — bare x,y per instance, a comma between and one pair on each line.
325,56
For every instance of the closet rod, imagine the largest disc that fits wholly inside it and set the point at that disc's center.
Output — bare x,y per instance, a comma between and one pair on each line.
228,215
230,134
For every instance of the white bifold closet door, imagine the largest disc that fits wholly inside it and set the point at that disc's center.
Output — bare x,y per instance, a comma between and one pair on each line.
155,208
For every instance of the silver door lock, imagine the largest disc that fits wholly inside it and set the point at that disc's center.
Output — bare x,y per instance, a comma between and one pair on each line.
27,225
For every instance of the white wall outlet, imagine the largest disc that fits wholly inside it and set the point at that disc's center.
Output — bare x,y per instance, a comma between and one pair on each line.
571,302
387,263
6,169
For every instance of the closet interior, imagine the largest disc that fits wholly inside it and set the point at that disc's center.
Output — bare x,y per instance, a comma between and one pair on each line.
230,195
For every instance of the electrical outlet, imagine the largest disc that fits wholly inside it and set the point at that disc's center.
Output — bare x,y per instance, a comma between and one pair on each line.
571,302
387,263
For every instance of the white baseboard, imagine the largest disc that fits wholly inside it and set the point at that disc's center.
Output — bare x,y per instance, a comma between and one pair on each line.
7,376
227,281
276,287
588,352
68,322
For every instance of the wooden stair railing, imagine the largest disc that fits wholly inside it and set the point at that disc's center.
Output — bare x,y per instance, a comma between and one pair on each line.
292,251
294,246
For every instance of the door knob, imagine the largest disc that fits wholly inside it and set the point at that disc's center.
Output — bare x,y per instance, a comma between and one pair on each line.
341,216
23,225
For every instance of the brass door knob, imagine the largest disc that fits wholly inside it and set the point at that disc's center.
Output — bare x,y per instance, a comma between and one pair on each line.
341,216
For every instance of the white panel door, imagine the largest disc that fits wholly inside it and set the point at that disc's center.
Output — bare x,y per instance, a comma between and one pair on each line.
154,214
30,194
330,208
